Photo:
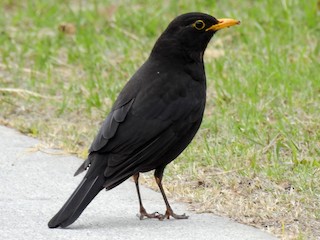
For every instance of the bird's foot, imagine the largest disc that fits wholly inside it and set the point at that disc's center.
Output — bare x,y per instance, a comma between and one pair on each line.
143,214
169,213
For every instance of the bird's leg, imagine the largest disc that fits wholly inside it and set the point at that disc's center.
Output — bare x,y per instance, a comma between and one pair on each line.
143,212
158,174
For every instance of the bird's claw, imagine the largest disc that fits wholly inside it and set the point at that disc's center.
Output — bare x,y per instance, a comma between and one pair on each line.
170,213
144,214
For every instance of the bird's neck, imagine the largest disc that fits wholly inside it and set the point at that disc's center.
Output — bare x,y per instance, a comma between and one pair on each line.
171,51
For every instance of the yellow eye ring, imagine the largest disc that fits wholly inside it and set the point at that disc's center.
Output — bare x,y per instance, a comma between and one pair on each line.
199,25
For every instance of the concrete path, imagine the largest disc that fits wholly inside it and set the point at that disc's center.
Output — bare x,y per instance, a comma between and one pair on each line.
34,185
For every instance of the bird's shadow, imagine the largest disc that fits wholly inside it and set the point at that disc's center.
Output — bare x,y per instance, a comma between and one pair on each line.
120,222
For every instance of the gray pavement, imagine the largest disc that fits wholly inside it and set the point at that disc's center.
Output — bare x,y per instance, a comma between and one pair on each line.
35,184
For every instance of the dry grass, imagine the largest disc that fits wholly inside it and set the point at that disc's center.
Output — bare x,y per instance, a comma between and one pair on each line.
277,208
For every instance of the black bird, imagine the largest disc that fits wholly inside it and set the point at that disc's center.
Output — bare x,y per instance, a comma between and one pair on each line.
154,118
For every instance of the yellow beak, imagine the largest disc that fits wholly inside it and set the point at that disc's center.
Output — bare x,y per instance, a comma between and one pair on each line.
223,23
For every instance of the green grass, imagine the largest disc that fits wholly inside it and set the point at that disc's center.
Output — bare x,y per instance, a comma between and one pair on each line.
257,155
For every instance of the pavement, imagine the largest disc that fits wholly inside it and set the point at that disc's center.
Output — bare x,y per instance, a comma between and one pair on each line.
35,182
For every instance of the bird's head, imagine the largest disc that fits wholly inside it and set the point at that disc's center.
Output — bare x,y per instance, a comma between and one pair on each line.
190,34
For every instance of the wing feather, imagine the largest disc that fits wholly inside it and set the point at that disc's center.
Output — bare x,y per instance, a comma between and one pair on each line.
110,126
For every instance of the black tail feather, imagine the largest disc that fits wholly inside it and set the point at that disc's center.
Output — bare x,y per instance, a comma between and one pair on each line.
78,201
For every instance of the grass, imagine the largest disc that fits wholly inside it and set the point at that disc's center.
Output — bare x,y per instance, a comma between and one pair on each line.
256,158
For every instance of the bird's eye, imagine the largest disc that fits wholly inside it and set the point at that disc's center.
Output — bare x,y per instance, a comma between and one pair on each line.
199,25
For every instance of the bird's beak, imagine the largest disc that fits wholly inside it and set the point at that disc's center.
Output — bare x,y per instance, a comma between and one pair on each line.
223,23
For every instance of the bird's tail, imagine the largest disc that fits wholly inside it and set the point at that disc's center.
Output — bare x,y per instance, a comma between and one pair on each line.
78,201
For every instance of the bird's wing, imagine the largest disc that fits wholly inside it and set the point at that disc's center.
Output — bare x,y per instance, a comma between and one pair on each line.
107,131
110,126
141,141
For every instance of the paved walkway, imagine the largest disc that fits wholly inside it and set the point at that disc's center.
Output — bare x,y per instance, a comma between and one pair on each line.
34,185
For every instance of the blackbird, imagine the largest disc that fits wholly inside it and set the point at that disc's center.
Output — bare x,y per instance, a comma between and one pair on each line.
154,118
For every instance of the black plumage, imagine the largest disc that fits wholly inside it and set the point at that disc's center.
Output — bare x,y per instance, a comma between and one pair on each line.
154,118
